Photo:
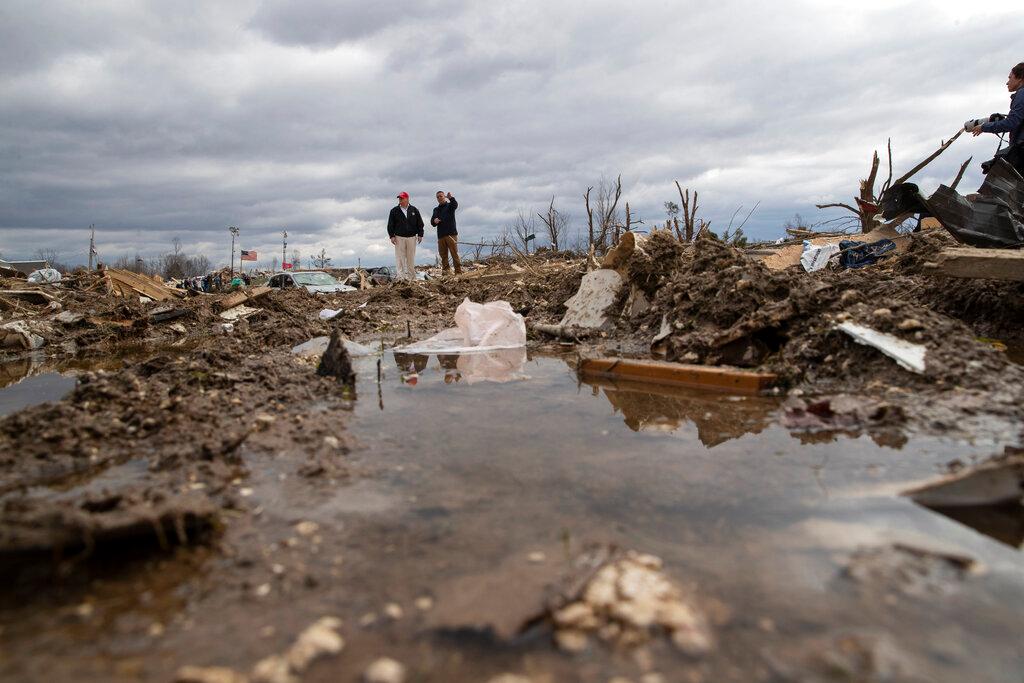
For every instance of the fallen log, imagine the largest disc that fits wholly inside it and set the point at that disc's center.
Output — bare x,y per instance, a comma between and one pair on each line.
678,374
988,264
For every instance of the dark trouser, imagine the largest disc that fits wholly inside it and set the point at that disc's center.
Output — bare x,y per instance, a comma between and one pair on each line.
449,245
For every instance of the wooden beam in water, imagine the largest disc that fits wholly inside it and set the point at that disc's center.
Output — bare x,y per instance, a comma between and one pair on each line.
679,374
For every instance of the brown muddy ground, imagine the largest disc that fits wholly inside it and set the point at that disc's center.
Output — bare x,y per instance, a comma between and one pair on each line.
181,506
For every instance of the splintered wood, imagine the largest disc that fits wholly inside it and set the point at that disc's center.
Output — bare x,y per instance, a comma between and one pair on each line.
126,283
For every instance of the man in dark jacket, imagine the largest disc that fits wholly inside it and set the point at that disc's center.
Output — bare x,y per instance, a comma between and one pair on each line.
447,234
405,228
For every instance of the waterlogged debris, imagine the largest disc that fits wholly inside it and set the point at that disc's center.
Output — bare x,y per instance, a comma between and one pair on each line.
479,327
626,602
907,355
384,670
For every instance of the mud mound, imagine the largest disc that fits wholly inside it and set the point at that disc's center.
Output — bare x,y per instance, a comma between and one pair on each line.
172,423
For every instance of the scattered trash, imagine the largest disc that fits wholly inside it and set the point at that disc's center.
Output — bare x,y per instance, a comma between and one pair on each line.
860,254
815,258
44,276
329,313
18,335
238,312
907,355
480,327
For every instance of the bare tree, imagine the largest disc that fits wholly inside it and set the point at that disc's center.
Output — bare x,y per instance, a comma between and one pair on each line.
607,206
517,232
590,218
557,224
866,200
689,213
322,260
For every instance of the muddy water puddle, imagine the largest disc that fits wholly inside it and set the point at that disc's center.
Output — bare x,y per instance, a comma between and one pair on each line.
493,473
479,478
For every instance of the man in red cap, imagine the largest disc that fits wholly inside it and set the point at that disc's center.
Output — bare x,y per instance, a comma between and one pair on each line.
405,228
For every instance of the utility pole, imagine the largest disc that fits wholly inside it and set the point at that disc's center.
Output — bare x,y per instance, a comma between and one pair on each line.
234,233
284,248
92,244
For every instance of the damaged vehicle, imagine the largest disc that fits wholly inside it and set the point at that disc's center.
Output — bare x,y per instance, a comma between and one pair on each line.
314,281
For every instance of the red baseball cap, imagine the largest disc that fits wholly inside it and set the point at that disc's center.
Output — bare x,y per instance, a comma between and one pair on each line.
403,195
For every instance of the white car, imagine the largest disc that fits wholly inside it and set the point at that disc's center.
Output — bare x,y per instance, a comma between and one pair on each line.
315,281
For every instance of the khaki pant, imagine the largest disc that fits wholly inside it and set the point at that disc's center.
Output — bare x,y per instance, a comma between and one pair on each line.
449,245
405,258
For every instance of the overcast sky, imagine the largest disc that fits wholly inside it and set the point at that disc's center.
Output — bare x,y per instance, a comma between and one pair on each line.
160,119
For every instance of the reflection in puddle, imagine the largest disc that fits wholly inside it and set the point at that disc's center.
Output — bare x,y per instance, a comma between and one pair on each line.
717,417
1004,523
33,390
501,365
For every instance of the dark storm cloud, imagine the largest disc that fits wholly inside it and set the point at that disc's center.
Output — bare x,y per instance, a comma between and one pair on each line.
158,119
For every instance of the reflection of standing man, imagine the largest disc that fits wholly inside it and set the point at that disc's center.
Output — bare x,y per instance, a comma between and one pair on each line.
447,235
405,228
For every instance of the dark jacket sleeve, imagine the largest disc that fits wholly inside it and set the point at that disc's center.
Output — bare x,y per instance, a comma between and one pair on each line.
1012,120
391,223
419,223
454,204
436,214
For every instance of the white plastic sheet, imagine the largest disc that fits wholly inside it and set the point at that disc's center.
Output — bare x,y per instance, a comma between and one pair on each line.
816,257
480,327
44,276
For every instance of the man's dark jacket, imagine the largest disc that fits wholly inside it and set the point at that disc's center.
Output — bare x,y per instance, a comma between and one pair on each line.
446,212
401,226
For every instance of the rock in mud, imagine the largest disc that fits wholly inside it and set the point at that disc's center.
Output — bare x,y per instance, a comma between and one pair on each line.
384,670
628,601
336,362
209,674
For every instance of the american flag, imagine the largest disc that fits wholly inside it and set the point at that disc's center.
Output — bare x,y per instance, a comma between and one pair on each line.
248,255
286,266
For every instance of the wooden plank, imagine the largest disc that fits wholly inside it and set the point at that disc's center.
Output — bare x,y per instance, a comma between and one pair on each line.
36,296
142,285
988,264
242,296
678,374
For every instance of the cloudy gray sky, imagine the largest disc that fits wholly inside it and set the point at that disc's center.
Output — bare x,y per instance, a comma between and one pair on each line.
159,119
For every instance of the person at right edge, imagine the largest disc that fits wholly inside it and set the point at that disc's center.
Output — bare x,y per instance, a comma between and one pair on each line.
447,234
1011,123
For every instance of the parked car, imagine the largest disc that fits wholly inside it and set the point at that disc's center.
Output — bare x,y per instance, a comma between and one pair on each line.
315,281
380,275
